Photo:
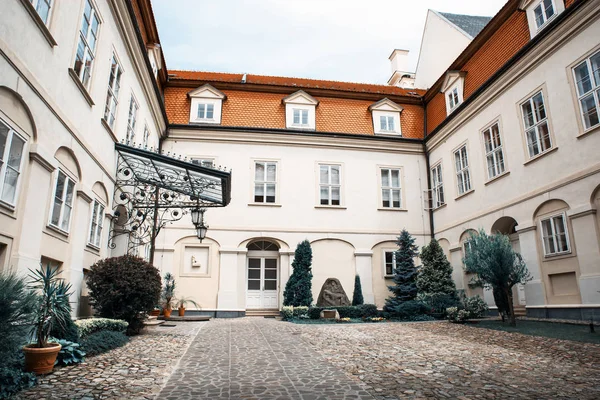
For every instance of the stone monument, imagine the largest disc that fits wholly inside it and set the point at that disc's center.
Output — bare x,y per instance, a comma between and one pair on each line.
332,294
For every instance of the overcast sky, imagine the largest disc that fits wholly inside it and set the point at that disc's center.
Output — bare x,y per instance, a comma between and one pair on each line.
346,40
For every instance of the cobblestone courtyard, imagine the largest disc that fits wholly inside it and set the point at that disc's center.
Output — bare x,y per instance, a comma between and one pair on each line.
255,358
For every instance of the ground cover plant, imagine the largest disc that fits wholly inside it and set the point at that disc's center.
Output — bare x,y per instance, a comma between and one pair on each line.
103,341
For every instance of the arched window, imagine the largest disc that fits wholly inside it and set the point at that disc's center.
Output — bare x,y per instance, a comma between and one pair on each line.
263,245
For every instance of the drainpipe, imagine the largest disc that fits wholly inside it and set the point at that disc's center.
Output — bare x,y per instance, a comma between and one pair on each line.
427,165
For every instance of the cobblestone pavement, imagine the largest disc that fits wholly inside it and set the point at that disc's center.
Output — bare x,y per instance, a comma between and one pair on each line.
443,360
257,358
137,370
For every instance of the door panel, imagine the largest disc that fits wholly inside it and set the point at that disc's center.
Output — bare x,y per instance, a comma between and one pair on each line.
262,285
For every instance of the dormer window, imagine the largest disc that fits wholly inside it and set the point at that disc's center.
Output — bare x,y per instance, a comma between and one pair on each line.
206,104
386,117
452,87
300,110
540,12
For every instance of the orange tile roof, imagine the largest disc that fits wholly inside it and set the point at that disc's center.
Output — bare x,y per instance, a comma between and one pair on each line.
293,82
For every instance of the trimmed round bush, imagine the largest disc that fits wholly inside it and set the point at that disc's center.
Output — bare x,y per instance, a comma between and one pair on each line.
103,341
126,288
92,325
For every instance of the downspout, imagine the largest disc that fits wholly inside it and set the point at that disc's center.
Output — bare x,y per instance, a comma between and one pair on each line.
428,166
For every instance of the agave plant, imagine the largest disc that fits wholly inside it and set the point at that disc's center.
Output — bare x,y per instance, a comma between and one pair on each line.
182,301
53,305
168,291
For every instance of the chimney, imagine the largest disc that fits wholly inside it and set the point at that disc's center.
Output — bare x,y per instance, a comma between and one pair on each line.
400,75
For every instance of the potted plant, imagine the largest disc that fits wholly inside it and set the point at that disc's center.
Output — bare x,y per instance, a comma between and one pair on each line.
53,309
168,295
182,302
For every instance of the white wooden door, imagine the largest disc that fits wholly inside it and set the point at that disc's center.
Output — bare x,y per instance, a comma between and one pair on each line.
262,290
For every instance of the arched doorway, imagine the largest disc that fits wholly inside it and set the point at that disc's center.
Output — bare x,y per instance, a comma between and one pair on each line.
262,275
507,226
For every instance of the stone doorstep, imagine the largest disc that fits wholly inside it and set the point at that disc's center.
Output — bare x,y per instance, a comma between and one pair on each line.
153,322
195,318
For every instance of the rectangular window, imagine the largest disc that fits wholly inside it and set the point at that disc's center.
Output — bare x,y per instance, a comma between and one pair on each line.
206,111
265,182
537,131
42,7
453,99
463,176
86,47
494,154
555,235
390,188
131,119
543,12
112,96
390,262
387,123
204,162
300,117
146,136
63,202
330,185
11,155
96,224
438,186
587,80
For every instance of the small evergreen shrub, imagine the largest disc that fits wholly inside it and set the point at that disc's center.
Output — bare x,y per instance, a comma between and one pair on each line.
103,341
92,325
287,313
476,306
300,311
70,353
405,274
298,289
421,318
353,312
357,296
314,312
438,302
409,310
68,332
126,288
454,314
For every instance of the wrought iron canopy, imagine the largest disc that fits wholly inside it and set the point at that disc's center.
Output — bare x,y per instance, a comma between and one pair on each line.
152,189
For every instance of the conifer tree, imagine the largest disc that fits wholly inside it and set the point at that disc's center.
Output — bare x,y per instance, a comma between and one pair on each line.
435,276
357,296
298,289
405,273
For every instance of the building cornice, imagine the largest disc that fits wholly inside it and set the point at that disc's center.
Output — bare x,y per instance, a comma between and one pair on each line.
530,56
289,137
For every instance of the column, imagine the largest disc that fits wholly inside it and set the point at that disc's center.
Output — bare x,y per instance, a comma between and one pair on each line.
364,269
534,289
586,242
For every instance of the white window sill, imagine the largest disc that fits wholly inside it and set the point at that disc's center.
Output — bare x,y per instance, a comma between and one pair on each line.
389,133
437,208
460,196
80,86
205,121
495,178
542,154
303,127
92,249
558,256
265,204
392,209
331,207
8,209
589,130
38,21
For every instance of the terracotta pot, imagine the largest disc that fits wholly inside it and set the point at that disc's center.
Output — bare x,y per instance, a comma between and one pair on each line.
155,312
181,311
167,312
41,360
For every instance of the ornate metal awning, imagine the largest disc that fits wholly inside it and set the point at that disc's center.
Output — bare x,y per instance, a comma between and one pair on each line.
153,189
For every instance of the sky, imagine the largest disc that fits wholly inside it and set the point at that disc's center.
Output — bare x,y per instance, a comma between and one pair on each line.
344,40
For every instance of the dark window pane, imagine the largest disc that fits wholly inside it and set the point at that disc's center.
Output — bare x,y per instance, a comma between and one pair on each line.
253,285
335,202
270,285
254,274
254,263
270,274
270,263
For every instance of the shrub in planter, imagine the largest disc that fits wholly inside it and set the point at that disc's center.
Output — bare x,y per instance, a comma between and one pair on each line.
92,325
103,341
126,288
70,353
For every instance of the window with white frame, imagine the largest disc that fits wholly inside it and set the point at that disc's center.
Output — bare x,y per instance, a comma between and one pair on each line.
537,130
453,98
386,123
555,235
43,8
587,81
63,201
543,12
96,224
389,262
494,154
438,186
112,96
206,111
11,156
86,47
146,136
463,175
265,181
330,184
390,188
300,117
204,162
131,119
